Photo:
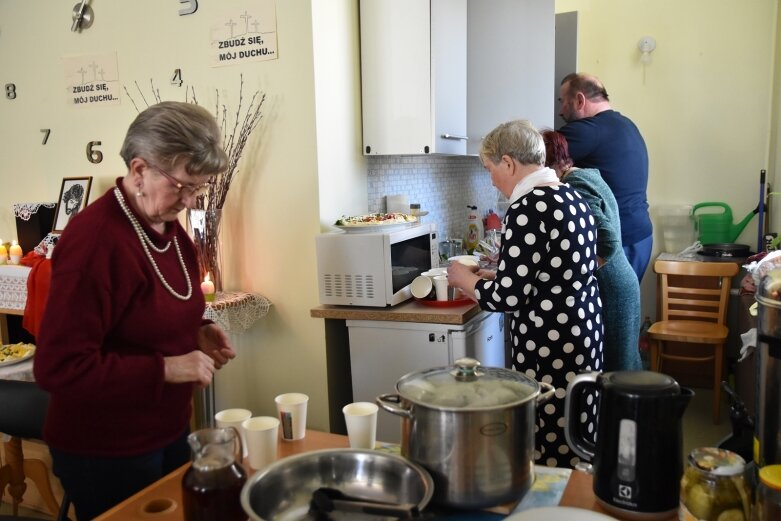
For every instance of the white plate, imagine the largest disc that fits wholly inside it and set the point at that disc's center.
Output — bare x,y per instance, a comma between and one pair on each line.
373,228
13,361
556,513
469,260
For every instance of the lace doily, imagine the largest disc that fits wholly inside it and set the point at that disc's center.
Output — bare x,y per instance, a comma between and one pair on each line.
26,210
235,311
43,246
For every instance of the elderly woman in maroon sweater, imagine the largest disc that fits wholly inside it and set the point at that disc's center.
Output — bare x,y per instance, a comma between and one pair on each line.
122,343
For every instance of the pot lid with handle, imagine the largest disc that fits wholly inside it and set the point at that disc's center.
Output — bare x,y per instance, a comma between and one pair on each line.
467,386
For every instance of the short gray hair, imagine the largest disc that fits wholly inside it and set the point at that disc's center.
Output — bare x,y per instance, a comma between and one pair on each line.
517,139
172,132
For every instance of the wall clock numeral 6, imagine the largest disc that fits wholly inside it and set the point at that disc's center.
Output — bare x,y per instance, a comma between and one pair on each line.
10,91
192,6
94,156
46,132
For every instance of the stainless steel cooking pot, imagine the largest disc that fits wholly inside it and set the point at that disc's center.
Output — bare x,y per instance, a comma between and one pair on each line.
472,428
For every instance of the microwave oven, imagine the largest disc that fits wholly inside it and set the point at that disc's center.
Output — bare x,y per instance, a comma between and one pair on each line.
373,268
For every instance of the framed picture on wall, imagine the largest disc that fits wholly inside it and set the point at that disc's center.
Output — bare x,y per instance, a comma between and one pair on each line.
74,194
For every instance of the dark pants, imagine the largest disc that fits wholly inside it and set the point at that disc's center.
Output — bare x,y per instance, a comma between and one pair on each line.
639,255
95,484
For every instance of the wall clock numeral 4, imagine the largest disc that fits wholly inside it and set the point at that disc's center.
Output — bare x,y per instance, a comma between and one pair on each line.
94,155
10,91
176,79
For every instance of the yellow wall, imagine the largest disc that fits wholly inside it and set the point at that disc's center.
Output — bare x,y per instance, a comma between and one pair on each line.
273,209
703,104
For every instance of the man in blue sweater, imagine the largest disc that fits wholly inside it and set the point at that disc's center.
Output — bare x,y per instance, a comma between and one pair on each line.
601,138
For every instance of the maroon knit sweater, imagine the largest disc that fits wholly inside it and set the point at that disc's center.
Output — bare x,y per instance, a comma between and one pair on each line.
107,325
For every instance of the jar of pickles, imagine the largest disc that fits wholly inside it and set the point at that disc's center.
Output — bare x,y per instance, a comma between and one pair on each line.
713,487
768,505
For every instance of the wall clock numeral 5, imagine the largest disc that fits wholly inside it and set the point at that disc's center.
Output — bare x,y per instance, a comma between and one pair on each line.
192,6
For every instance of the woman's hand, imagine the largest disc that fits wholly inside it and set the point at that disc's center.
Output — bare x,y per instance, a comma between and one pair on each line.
463,277
486,274
194,367
213,341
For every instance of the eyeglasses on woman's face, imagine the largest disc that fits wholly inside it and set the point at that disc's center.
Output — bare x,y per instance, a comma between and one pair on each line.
190,190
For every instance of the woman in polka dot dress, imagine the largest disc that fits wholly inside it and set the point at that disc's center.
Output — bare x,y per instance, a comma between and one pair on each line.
544,280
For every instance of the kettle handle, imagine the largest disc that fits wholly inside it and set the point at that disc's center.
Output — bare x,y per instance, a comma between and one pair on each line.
575,390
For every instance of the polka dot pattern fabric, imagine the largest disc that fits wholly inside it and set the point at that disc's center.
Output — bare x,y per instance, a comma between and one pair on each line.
545,280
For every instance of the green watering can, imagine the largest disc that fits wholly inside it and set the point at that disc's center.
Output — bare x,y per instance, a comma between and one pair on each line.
717,228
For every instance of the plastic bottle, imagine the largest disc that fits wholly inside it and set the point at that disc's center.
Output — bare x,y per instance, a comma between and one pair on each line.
644,343
474,228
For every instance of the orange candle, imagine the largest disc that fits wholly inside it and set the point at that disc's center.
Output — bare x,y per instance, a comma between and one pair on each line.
207,288
16,252
3,253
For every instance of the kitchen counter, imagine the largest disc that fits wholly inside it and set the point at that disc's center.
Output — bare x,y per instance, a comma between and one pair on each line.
409,311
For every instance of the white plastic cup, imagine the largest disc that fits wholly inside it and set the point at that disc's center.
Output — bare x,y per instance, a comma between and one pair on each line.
234,418
262,437
291,409
441,287
361,420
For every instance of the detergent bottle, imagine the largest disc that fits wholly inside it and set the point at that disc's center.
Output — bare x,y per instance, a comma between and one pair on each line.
474,228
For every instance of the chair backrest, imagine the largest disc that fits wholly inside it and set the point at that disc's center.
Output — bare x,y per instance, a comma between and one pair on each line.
691,290
22,409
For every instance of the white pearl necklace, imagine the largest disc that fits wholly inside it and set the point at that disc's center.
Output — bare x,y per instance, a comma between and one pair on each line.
146,242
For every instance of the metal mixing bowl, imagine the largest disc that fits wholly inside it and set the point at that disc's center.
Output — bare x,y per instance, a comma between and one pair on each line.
283,490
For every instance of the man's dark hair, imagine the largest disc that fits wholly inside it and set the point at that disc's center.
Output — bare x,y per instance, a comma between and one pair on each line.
590,86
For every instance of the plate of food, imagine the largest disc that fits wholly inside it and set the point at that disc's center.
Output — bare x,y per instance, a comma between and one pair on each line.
375,222
14,353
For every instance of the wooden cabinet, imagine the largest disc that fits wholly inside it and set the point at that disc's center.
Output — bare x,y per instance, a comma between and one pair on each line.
510,64
413,76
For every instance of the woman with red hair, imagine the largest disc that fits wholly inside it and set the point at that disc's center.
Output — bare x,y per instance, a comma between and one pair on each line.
618,285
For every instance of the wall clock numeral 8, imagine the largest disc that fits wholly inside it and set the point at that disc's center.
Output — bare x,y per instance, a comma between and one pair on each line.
10,91
94,156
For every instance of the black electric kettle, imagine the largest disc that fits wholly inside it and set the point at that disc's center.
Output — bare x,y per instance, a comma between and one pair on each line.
637,459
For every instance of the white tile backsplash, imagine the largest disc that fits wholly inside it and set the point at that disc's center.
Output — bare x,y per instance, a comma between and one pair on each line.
443,185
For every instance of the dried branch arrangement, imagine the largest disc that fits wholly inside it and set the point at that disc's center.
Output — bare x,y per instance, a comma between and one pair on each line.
241,128
244,122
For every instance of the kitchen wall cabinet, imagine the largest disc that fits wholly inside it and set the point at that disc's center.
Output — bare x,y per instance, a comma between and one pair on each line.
413,76
510,65
436,72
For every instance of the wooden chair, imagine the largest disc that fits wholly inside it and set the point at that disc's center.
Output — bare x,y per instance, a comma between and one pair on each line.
693,299
22,411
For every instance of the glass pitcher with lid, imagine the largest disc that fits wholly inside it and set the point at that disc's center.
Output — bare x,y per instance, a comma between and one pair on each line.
211,487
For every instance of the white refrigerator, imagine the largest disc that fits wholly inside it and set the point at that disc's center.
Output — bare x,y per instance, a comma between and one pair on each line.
381,352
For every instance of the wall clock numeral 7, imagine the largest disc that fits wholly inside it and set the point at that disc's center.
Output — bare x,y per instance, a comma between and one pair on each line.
46,132
94,155
10,91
